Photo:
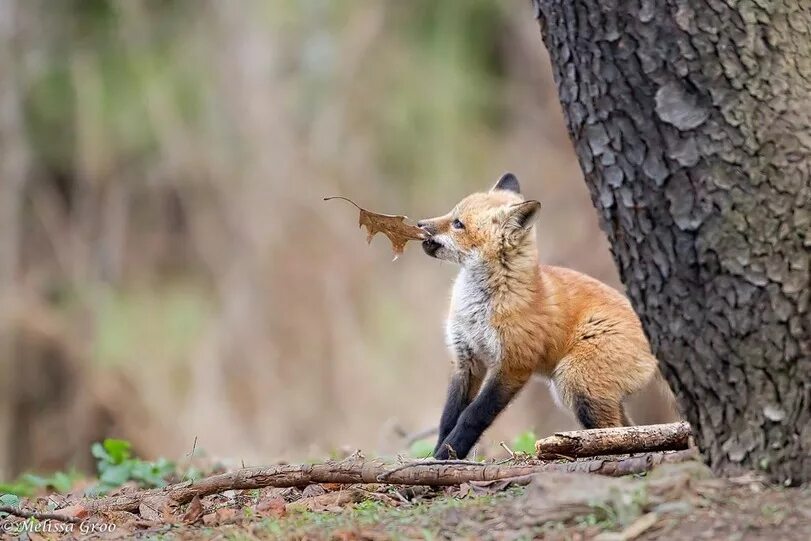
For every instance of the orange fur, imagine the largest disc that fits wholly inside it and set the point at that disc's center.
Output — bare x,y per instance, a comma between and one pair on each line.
511,317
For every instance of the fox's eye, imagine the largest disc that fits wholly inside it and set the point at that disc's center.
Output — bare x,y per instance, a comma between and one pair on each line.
456,224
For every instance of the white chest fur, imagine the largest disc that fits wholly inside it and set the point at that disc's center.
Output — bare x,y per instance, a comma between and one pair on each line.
469,329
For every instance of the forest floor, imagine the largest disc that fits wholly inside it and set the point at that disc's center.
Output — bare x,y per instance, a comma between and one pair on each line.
673,502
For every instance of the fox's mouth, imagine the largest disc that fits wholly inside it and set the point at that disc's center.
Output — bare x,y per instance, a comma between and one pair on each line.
430,246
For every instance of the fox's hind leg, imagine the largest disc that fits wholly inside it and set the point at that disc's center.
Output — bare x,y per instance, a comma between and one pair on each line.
598,374
594,412
595,398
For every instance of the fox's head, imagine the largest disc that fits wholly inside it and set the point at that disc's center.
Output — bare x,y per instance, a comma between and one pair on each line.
483,226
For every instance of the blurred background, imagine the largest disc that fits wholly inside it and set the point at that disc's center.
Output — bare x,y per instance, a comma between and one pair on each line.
168,269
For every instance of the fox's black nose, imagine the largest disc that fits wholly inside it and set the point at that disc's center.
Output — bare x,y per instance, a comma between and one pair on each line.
422,224
430,247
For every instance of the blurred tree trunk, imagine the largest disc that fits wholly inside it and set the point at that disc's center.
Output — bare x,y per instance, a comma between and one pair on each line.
13,167
692,123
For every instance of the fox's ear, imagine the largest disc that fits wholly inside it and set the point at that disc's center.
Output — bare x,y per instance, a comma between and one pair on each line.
523,216
508,182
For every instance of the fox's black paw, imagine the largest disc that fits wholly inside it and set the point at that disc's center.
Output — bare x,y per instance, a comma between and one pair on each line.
444,452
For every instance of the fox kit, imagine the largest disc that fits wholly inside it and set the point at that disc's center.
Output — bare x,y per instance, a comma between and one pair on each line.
511,318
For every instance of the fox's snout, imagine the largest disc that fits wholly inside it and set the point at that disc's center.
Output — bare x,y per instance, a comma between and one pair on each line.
482,225
427,226
429,245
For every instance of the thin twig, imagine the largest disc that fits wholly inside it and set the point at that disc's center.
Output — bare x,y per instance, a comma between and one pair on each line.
344,198
519,480
416,463
510,451
401,497
383,497
558,455
193,448
22,513
190,456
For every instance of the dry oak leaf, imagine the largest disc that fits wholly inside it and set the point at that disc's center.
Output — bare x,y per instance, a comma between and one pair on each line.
312,490
74,511
194,512
393,226
155,509
330,501
273,507
223,515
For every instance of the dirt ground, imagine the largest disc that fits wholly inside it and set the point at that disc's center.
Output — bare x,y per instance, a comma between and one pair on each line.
672,502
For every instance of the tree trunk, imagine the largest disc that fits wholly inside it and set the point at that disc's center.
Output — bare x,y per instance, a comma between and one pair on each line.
692,123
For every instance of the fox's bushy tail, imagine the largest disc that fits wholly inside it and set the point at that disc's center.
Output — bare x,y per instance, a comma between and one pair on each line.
654,403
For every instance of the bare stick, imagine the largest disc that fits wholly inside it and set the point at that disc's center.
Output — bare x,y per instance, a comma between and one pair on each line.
344,198
614,441
385,475
22,513
506,448
193,448
370,471
611,468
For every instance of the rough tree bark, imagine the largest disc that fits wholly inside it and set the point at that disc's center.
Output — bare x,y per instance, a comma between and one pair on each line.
692,123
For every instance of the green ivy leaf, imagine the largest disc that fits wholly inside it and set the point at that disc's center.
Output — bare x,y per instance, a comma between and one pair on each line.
165,467
9,499
116,466
96,490
147,473
34,480
97,450
118,450
117,474
61,482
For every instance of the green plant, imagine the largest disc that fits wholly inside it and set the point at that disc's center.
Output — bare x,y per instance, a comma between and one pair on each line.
525,442
9,499
116,466
29,483
16,488
193,474
421,449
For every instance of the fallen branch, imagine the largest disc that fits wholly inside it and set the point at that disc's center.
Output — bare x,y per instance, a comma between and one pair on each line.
615,441
608,467
387,475
22,513
360,471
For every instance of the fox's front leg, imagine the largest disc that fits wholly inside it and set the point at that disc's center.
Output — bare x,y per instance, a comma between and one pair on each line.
465,383
499,388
